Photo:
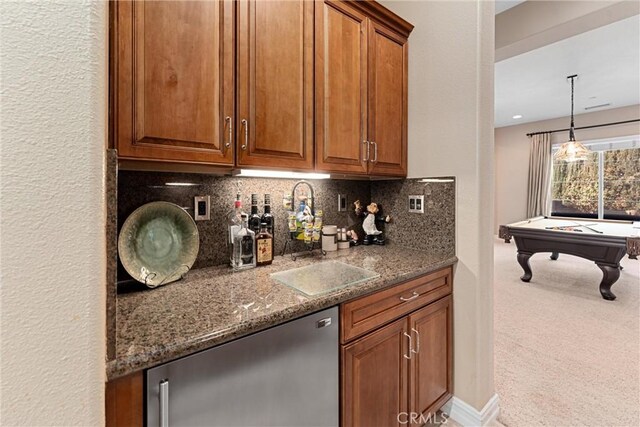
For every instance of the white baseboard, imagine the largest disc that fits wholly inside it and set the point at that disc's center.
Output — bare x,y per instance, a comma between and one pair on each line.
468,416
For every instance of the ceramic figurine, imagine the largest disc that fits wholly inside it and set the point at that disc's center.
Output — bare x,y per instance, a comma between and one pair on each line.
372,215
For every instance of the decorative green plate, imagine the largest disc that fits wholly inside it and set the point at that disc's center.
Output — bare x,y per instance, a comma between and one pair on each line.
158,243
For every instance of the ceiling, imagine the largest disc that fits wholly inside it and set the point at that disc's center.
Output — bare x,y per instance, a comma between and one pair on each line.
534,84
502,5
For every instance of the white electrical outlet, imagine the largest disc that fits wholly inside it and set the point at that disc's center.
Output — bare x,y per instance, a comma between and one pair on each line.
342,202
416,204
202,208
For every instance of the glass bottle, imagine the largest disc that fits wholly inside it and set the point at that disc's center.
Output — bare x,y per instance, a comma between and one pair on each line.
254,219
317,225
244,247
300,216
264,246
267,217
234,219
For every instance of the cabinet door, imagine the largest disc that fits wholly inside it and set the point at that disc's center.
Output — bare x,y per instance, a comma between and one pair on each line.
275,84
387,101
374,377
173,80
341,88
430,379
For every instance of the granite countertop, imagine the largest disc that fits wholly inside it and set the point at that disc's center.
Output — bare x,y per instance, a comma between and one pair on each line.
214,305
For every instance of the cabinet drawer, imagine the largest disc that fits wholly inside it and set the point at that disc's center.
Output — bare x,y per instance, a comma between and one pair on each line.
370,312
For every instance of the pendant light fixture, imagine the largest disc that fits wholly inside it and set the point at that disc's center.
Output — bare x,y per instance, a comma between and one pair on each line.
572,150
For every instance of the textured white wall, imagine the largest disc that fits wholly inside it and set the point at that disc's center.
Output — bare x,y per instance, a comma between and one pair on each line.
451,133
53,64
512,154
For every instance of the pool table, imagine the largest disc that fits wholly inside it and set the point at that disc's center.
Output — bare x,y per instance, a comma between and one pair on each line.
602,241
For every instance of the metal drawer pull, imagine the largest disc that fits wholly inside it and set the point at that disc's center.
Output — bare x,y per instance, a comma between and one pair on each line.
410,347
375,152
228,120
245,123
164,403
417,350
412,297
367,144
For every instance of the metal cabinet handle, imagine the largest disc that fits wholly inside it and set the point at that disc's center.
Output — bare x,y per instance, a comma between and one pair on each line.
164,403
365,142
245,123
410,346
417,350
230,140
412,297
375,152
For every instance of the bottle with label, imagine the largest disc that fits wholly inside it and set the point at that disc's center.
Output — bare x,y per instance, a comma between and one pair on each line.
267,217
254,218
234,220
244,247
264,246
317,225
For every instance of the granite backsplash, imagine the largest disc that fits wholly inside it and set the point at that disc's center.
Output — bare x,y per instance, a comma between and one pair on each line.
433,231
137,188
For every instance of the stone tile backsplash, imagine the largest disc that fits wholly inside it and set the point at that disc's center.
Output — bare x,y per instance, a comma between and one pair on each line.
432,231
137,188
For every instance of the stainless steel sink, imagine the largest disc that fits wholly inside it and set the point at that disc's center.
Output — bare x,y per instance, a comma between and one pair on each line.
317,279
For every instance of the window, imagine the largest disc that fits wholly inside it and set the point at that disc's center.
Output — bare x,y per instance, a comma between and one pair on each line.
606,186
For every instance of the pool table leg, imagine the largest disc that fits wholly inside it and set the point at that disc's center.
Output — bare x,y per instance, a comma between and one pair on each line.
523,260
609,276
554,255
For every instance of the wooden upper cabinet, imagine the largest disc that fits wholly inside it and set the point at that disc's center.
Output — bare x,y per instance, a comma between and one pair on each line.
173,80
275,84
361,89
374,377
388,75
341,88
430,380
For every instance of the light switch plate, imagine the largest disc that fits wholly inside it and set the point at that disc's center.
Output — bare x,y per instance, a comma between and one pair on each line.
342,202
202,208
416,204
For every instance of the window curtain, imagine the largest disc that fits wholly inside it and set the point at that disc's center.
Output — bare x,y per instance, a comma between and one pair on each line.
540,163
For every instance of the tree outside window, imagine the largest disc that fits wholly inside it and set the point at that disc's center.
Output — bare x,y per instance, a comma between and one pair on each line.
605,186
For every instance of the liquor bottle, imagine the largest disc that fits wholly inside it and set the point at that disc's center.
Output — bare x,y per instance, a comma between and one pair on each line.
267,217
234,223
234,218
254,219
244,247
264,246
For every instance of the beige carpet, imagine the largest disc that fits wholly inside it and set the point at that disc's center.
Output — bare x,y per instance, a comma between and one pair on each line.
563,355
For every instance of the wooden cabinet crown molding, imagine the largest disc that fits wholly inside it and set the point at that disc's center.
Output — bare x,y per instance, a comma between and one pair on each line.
379,13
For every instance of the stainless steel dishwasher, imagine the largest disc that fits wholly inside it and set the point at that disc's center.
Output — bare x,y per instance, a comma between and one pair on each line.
284,376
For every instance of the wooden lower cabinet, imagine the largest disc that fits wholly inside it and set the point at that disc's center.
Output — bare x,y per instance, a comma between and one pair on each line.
400,370
374,377
430,378
124,401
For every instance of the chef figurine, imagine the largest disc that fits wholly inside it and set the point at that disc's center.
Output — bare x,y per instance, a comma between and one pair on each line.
373,214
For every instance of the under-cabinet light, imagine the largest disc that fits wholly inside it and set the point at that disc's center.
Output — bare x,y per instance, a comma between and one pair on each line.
257,173
517,116
436,180
180,184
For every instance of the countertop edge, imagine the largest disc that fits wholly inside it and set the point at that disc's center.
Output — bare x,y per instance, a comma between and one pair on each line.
126,365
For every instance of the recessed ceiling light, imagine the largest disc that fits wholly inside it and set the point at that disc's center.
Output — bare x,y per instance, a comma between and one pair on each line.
517,116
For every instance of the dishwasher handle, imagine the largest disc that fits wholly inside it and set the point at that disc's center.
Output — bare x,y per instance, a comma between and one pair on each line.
164,403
